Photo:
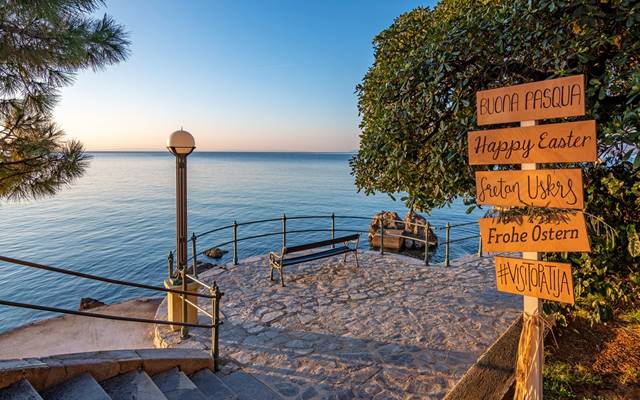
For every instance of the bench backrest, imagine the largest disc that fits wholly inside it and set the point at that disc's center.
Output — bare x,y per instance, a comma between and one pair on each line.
322,243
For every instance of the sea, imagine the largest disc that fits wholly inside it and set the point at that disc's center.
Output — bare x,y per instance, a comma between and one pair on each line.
118,220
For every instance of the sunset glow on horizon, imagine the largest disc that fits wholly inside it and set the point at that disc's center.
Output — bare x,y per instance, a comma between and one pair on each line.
240,76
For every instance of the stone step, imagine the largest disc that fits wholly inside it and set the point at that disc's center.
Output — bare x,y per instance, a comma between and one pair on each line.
248,387
82,387
177,386
134,385
21,390
212,386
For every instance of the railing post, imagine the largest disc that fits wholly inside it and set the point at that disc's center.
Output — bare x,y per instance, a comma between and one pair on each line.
333,228
184,331
235,243
284,230
446,244
195,254
170,264
479,246
215,322
426,244
382,238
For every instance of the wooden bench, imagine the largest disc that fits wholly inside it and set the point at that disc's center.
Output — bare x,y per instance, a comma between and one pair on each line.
279,261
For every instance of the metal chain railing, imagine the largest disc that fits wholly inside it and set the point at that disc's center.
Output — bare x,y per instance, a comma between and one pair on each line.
284,231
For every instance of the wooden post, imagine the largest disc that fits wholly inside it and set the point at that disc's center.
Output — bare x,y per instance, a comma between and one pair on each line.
533,308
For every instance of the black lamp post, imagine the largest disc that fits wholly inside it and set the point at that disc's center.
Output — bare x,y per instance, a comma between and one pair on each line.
181,144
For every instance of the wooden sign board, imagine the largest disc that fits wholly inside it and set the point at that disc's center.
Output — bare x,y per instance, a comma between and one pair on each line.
553,188
567,235
551,143
554,98
541,279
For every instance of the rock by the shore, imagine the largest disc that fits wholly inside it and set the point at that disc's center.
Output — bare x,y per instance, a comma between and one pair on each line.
215,253
414,226
388,219
204,266
87,303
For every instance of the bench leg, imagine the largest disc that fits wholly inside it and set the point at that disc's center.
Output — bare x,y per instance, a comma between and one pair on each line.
355,253
281,276
344,258
270,271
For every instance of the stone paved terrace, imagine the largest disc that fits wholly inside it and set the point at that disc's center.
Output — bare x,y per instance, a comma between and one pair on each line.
391,329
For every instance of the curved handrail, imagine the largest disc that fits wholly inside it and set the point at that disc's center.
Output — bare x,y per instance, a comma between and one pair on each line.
215,230
103,316
334,219
99,278
299,217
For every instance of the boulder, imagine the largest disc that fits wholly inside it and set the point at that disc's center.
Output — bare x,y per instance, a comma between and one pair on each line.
414,225
388,219
204,266
215,253
87,303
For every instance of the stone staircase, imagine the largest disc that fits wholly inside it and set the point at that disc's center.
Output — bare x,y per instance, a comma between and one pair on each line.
154,377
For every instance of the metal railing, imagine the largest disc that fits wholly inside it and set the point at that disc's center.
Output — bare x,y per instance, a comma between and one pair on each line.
284,232
214,295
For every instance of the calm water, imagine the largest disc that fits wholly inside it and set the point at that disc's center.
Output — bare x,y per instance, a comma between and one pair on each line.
118,220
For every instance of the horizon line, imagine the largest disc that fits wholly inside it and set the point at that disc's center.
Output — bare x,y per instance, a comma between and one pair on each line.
227,151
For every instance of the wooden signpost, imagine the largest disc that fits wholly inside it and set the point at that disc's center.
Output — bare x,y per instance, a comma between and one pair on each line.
551,143
569,234
554,98
527,145
541,279
554,188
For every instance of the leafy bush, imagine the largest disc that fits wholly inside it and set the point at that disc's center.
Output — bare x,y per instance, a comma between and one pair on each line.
417,103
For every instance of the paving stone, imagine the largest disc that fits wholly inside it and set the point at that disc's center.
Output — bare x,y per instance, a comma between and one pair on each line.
286,389
270,316
378,331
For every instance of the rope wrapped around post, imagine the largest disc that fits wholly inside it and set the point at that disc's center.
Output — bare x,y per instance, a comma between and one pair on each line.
528,350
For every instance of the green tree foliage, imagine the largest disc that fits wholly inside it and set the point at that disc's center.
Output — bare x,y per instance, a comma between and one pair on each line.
43,43
417,103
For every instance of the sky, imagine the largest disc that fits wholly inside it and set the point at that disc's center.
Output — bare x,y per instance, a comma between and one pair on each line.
239,75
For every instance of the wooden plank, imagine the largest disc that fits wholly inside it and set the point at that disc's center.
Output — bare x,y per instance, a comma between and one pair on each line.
552,188
541,279
567,235
554,98
493,375
551,143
